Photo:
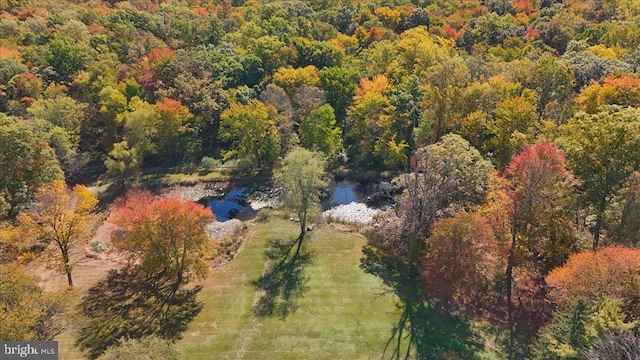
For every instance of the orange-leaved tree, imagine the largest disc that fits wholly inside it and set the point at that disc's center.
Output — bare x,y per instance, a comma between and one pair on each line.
163,236
612,271
61,217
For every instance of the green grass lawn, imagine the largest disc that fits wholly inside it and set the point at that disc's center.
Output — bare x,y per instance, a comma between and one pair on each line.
343,315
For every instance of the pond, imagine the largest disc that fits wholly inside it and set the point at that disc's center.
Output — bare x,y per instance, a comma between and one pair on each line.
342,193
236,203
228,207
375,194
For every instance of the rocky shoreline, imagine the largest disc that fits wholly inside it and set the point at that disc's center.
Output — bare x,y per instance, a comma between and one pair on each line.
353,213
268,196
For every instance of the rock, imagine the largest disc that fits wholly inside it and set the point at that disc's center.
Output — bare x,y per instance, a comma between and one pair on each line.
353,213
218,230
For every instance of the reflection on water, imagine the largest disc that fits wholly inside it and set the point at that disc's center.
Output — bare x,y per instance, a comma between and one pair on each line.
229,206
374,194
344,192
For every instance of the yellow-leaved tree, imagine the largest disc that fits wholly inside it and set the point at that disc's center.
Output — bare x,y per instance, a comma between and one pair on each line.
60,217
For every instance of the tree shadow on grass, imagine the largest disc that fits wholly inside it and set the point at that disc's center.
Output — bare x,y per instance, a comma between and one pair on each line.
127,305
424,330
284,280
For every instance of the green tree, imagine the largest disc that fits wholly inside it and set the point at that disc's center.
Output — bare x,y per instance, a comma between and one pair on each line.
554,83
140,127
443,101
123,164
112,103
26,163
303,176
59,119
340,83
577,326
252,131
318,131
267,50
9,68
603,150
66,56
448,173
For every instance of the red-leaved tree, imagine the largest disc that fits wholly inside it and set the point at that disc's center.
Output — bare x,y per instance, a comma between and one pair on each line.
163,236
537,185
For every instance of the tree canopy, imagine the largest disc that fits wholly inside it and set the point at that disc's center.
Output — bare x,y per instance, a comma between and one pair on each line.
163,236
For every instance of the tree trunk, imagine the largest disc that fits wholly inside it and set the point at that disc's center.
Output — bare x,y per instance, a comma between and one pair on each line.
67,265
69,279
509,275
596,231
599,220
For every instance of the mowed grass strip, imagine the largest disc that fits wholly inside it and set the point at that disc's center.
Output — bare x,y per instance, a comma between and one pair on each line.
343,315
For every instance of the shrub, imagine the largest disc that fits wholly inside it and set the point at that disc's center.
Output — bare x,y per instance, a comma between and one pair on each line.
209,163
98,246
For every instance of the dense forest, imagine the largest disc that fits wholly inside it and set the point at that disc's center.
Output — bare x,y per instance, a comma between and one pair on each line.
509,129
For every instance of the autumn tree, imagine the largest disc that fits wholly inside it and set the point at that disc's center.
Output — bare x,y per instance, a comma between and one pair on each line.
512,126
446,177
27,312
162,236
370,123
60,216
201,92
26,163
252,131
289,79
594,275
537,184
278,98
174,130
602,150
462,262
303,177
623,90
